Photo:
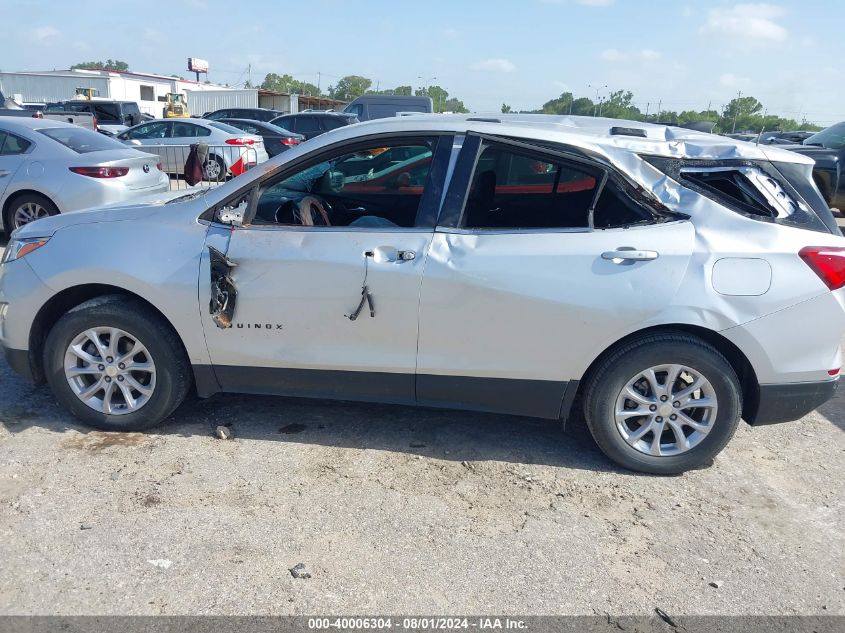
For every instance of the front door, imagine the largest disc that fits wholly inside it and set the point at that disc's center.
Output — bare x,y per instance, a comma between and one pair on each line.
327,274
533,276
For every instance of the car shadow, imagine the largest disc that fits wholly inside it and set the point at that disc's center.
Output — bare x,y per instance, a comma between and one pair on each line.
436,433
834,409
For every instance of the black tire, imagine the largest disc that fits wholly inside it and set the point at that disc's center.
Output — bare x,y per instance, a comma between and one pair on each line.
221,165
622,364
23,199
173,372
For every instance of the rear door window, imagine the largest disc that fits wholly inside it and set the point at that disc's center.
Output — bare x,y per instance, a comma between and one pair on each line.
307,125
11,145
514,190
107,113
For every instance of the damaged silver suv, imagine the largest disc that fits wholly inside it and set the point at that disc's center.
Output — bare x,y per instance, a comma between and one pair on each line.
664,282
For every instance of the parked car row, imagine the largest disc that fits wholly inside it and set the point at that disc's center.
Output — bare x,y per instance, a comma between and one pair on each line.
642,288
48,167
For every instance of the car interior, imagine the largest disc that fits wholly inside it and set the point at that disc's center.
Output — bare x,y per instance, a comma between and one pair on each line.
515,190
379,187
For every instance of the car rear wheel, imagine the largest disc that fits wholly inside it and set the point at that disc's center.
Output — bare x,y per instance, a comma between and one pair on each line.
116,364
27,208
214,169
663,404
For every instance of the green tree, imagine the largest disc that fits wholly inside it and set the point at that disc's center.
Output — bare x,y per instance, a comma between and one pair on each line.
619,105
286,83
350,87
505,108
453,104
399,91
109,64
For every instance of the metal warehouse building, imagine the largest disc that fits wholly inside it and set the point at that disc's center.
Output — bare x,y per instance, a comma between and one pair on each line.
147,89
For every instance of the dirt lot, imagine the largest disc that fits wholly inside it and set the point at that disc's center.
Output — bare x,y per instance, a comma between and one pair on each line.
399,510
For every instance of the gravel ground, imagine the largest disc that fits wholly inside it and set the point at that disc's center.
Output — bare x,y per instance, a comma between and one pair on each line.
401,510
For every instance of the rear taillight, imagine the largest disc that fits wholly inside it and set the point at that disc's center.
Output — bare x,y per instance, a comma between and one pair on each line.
828,262
94,123
38,115
101,172
289,140
239,141
159,167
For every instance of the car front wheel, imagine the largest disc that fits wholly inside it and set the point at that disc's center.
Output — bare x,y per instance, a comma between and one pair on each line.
663,404
116,364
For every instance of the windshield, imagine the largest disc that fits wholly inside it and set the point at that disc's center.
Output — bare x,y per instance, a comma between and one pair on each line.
831,138
80,140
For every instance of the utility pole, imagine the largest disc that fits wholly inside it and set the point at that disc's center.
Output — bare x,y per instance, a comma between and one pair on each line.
647,106
249,74
319,91
736,111
659,110
595,104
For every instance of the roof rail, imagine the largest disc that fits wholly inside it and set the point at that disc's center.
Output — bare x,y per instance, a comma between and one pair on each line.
484,119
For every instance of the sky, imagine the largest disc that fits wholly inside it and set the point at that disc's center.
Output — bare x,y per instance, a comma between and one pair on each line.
673,54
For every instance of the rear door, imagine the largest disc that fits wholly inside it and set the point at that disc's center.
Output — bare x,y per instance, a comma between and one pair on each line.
150,137
520,292
13,150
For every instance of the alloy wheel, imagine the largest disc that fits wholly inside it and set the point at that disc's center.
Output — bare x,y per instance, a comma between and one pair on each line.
666,410
212,169
110,370
28,212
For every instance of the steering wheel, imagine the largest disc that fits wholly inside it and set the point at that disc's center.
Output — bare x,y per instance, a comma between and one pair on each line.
312,209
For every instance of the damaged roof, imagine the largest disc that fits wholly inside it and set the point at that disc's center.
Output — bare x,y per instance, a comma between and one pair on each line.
605,136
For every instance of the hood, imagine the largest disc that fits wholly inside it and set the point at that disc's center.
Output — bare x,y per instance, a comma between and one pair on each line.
141,207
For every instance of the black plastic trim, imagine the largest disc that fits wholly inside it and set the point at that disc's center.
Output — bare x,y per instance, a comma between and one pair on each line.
535,398
788,402
18,360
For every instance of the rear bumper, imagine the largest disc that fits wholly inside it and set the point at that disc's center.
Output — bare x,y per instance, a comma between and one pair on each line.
788,402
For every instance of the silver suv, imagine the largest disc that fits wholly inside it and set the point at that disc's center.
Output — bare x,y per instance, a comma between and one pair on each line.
660,281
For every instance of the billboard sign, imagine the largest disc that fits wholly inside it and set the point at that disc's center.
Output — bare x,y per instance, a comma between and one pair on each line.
197,65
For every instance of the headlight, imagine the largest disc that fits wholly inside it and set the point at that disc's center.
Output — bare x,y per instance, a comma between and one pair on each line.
16,249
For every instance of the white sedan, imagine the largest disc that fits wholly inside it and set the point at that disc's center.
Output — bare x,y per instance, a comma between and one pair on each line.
49,167
230,151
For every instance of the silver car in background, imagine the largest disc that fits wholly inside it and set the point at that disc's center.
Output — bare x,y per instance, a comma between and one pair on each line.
231,151
662,283
49,167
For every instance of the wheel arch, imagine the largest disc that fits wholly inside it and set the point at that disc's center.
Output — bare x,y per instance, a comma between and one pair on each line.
67,299
11,197
749,384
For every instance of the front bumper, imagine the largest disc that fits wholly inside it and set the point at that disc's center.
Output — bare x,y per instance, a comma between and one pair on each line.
788,402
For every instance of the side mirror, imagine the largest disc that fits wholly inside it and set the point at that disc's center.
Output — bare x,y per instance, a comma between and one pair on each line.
134,141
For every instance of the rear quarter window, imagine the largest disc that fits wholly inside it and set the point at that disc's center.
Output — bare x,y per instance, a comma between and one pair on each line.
753,188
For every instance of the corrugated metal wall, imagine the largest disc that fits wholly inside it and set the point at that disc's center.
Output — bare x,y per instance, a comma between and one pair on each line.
202,101
46,88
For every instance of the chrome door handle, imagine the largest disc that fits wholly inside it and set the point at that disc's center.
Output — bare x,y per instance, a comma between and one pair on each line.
3,173
628,255
388,254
